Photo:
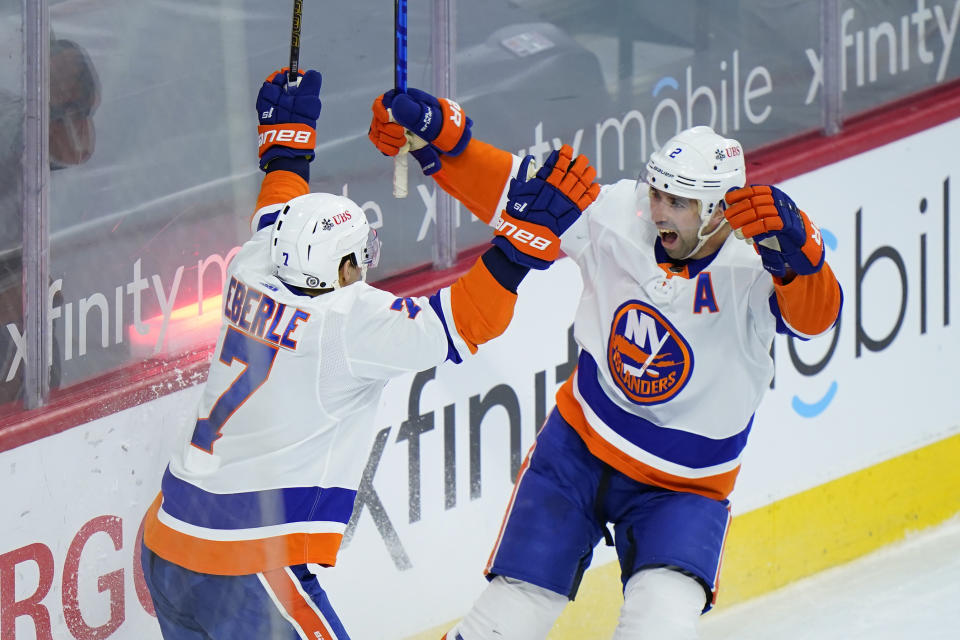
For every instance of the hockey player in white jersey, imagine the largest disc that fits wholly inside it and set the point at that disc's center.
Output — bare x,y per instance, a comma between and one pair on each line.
675,325
265,477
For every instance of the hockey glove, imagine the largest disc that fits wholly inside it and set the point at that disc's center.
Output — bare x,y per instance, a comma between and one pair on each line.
541,208
288,116
437,126
784,236
389,137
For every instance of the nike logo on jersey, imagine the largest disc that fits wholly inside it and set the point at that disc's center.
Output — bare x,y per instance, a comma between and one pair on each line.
648,358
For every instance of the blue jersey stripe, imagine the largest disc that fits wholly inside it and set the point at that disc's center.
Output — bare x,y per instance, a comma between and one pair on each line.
267,219
251,509
452,354
680,447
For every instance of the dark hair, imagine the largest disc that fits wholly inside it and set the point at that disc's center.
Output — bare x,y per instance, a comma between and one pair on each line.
75,85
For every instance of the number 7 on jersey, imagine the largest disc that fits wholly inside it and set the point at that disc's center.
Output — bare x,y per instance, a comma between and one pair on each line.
258,359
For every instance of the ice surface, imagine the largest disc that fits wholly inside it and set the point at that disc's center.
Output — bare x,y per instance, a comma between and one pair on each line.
907,590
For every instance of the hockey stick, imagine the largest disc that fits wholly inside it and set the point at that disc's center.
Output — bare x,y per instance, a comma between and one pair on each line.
400,84
293,75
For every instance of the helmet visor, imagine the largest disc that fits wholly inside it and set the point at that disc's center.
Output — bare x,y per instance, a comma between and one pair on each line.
371,250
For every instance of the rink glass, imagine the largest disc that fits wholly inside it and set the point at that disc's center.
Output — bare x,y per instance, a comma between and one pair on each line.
153,147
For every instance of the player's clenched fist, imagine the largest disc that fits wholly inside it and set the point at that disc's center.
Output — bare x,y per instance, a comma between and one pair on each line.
386,134
541,208
288,116
436,126
784,236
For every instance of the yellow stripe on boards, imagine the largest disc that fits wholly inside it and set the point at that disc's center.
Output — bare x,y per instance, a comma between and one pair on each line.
792,538
841,520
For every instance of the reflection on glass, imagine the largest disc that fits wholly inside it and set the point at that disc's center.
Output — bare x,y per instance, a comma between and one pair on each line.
11,155
146,209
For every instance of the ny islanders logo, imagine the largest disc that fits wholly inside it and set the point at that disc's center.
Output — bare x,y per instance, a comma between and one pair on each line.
649,360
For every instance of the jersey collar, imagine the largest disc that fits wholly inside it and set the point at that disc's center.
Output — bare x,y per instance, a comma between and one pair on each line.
682,268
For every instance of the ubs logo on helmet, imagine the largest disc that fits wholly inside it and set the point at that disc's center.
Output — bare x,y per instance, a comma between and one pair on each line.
342,217
649,360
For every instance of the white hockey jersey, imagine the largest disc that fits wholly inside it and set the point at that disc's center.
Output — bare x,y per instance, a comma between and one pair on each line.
674,361
267,473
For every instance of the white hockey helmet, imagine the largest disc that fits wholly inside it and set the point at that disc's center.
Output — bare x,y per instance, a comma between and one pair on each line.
312,235
698,164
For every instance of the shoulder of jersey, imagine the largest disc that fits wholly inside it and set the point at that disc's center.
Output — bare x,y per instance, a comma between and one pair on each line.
254,255
359,300
738,253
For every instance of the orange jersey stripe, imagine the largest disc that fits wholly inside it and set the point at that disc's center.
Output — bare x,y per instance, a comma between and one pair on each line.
235,558
810,304
279,186
482,308
294,602
717,487
477,177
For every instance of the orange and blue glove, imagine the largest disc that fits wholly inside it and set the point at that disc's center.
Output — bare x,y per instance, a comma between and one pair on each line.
439,126
783,235
541,208
288,116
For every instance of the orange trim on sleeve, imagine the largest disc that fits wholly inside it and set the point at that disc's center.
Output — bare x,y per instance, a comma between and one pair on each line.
717,487
280,186
810,303
482,308
236,558
294,602
477,177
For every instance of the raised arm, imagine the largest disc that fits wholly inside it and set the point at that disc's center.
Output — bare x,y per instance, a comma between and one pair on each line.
479,305
440,138
287,138
808,295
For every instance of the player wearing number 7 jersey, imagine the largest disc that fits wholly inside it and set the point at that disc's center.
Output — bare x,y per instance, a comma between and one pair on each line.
265,476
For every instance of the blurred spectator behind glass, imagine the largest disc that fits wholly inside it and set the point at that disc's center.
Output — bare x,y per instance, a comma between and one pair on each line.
74,97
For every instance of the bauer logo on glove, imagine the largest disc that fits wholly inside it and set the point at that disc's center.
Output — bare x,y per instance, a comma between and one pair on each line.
541,208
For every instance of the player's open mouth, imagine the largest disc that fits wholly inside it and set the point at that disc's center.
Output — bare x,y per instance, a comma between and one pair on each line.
667,237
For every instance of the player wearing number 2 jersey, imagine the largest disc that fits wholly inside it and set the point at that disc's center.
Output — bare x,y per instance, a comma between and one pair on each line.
265,477
675,324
